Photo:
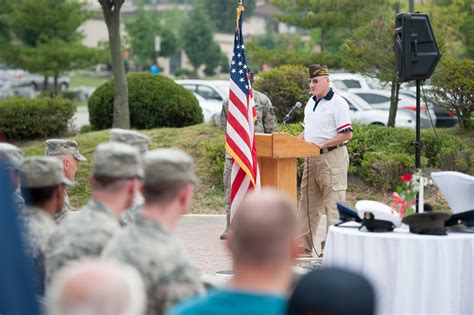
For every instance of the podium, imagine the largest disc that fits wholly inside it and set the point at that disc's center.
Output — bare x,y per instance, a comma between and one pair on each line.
277,155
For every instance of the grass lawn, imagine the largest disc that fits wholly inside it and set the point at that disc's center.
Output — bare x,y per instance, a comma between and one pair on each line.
80,80
205,143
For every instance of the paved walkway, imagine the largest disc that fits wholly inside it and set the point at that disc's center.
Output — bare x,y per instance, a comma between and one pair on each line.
200,235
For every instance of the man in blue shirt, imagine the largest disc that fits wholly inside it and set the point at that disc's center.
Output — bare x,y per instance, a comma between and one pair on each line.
263,243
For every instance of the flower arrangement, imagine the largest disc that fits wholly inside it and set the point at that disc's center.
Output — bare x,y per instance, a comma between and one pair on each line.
404,196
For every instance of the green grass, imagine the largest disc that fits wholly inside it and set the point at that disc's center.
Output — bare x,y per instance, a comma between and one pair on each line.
205,143
80,80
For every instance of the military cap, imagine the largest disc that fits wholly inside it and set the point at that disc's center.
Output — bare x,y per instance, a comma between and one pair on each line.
116,159
130,137
332,291
431,223
458,189
10,156
377,217
42,171
169,165
347,213
316,70
55,147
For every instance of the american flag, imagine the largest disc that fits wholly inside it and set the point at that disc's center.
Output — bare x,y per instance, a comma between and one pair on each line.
240,136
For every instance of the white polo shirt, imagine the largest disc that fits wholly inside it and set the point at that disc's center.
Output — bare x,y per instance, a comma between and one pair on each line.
328,118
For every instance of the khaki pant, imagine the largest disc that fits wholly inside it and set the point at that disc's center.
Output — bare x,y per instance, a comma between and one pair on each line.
323,184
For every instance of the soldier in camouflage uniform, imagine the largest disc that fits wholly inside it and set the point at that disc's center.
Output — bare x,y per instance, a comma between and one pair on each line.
149,244
265,123
43,181
67,152
140,142
114,182
11,158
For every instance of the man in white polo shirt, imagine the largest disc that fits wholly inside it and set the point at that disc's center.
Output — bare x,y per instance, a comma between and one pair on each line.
327,124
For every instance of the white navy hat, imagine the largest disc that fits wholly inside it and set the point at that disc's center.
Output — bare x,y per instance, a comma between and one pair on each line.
458,189
377,216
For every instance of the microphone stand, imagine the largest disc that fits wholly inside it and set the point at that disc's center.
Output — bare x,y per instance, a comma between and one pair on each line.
285,120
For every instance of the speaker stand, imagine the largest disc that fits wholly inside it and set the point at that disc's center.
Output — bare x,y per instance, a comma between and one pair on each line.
417,138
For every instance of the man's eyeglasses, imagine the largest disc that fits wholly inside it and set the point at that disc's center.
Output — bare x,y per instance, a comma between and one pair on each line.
315,81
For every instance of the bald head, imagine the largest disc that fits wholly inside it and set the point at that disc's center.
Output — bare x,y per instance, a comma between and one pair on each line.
96,287
264,229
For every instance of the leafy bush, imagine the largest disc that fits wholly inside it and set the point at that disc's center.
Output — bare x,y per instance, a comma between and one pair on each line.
454,89
154,101
42,117
285,86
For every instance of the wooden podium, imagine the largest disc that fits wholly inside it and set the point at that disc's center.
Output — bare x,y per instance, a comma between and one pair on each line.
277,155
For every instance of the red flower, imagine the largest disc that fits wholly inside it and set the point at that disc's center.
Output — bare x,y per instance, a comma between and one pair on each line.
406,178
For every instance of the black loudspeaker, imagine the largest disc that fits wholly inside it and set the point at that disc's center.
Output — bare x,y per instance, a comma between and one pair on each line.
416,50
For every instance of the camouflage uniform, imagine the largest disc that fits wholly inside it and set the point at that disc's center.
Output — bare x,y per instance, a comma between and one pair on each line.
150,246
11,158
161,260
87,232
139,141
40,172
265,123
60,147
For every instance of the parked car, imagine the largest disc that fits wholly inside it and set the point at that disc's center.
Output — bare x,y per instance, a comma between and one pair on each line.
209,89
349,81
210,108
361,112
380,99
18,77
444,118
7,90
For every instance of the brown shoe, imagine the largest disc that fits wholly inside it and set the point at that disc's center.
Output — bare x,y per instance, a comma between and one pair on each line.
225,235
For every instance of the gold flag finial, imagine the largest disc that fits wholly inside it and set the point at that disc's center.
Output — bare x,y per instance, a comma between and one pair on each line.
240,9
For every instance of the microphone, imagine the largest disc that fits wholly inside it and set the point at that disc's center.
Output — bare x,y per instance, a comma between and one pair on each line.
292,111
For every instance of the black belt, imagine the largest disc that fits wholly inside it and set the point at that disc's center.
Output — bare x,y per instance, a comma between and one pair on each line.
326,150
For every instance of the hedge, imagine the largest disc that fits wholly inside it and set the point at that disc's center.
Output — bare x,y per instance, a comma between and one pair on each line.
43,117
154,101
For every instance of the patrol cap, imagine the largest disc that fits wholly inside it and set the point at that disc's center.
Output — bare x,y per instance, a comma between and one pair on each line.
43,171
116,159
55,147
317,70
377,217
332,291
347,213
169,165
130,137
431,223
10,156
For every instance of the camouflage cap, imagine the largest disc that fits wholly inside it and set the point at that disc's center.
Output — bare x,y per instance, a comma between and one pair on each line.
42,171
55,147
117,160
169,165
130,137
317,70
10,156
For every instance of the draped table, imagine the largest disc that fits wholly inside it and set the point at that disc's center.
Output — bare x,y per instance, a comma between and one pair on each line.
411,273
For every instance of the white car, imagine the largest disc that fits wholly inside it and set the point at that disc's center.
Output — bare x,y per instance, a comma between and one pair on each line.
217,90
380,99
349,81
210,108
18,77
361,112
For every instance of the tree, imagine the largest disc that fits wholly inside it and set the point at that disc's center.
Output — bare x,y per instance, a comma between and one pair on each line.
111,10
453,89
43,37
142,30
328,15
222,13
370,51
197,36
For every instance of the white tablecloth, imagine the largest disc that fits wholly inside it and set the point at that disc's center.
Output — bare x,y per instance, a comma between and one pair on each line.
412,274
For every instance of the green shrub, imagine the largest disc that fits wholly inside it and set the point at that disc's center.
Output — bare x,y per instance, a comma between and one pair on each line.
285,86
154,101
42,117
